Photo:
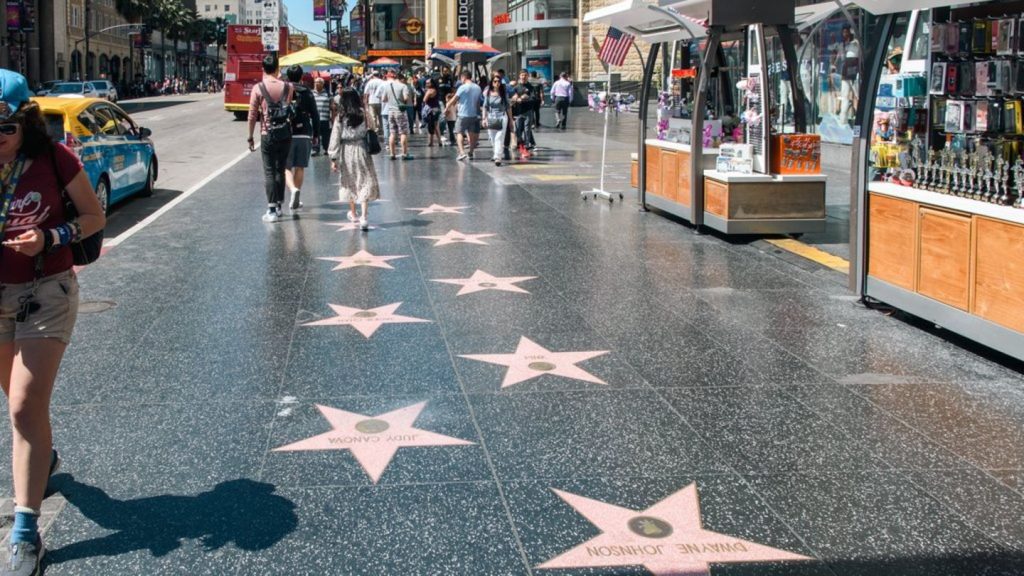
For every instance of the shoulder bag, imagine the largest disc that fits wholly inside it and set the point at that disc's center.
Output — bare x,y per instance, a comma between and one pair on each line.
86,250
372,142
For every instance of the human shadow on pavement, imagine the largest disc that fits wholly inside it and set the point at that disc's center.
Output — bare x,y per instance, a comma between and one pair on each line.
242,511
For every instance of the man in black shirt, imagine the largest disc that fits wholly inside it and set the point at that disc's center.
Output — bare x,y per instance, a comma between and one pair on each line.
304,135
524,98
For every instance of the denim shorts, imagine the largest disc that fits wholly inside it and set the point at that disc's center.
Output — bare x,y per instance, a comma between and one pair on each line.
57,299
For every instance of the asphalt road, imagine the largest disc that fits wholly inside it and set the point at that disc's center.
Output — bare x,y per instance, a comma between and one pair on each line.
194,136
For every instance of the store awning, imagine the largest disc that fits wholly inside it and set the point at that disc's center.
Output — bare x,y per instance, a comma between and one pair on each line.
879,7
648,21
510,28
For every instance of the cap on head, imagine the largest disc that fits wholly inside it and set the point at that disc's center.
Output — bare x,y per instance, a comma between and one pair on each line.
13,93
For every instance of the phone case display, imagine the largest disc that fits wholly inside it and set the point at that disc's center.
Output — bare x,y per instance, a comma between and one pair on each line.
796,154
971,145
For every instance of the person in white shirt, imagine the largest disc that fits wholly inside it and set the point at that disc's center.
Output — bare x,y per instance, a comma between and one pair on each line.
561,93
395,97
372,101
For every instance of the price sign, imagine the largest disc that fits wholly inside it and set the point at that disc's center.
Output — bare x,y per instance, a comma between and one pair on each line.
271,31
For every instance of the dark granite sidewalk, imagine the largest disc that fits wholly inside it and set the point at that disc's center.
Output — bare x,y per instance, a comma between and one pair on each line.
617,392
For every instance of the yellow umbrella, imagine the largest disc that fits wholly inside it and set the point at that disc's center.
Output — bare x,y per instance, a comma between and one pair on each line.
316,56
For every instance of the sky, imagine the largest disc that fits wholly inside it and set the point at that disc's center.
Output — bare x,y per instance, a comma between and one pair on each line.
300,15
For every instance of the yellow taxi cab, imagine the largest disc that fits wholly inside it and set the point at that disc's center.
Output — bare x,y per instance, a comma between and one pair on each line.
118,155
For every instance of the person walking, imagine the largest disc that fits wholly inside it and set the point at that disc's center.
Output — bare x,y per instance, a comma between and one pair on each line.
497,116
269,105
372,99
38,299
561,93
450,112
432,112
538,82
523,98
305,127
395,97
323,108
467,101
506,145
358,180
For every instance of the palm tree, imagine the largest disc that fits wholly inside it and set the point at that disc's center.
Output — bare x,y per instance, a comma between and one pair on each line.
134,11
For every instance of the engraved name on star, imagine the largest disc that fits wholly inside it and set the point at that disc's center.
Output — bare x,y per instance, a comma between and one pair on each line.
667,539
365,321
373,440
531,360
456,237
438,209
362,258
481,280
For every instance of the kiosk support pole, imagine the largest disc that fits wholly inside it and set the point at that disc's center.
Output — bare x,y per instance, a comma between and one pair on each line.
796,88
697,127
645,100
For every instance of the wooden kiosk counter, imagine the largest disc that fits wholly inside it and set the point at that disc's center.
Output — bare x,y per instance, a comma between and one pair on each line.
733,203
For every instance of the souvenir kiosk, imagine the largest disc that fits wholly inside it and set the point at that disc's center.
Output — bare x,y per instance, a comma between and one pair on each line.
768,183
941,180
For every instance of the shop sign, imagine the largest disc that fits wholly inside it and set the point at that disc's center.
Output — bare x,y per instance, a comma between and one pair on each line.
469,18
319,10
297,42
504,18
414,26
684,73
395,53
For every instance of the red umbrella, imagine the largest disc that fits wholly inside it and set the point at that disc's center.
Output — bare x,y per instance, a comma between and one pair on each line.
462,45
384,63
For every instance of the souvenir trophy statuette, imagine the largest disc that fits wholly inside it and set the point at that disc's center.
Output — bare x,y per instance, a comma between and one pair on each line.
1004,176
1018,180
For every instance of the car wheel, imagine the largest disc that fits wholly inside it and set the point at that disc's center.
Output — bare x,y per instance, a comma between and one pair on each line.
103,193
147,190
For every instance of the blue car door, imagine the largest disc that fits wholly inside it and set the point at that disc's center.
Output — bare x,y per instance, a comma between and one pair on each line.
136,151
114,149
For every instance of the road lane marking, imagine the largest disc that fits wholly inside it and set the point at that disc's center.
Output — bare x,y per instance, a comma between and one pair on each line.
167,207
813,254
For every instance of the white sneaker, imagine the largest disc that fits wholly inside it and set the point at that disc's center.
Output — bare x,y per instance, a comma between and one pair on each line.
462,156
295,205
271,216
352,216
364,224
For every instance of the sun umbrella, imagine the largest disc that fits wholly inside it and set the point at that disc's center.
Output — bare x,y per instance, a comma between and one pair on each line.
315,56
384,63
464,45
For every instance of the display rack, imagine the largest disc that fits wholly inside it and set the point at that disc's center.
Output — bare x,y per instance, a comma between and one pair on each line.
941,218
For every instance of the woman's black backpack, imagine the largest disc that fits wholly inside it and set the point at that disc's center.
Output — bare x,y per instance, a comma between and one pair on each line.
87,250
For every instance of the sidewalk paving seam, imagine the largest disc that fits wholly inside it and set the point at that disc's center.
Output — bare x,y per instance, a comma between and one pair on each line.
469,407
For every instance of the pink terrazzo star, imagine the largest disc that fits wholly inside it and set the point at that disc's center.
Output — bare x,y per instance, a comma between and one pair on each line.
362,258
372,440
365,321
439,209
666,538
481,280
348,226
456,237
531,360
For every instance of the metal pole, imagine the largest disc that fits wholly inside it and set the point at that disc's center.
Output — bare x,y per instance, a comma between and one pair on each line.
796,88
864,118
645,94
697,127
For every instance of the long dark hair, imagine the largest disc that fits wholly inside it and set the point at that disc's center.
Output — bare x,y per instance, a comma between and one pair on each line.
501,90
35,139
351,107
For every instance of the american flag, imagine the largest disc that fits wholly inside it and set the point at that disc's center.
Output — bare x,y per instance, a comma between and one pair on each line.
615,47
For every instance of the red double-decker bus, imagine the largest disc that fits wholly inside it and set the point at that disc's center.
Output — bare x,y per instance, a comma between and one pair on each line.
244,66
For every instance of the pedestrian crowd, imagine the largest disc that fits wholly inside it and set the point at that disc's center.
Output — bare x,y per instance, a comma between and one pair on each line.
300,117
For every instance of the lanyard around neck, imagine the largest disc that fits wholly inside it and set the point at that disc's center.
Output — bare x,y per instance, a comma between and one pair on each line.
10,176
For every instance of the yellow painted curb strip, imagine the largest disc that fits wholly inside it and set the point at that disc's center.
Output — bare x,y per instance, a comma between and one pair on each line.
814,254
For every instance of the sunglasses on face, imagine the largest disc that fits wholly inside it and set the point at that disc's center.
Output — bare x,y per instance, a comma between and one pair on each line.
8,129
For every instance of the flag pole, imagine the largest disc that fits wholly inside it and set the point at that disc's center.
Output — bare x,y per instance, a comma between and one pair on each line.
601,192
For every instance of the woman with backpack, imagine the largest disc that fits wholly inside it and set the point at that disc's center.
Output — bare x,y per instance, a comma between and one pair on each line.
38,297
431,112
349,155
497,116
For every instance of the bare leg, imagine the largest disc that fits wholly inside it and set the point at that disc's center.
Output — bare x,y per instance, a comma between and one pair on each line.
28,384
405,144
298,177
289,178
366,207
458,140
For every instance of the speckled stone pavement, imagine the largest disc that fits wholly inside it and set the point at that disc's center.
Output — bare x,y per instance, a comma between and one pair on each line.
686,404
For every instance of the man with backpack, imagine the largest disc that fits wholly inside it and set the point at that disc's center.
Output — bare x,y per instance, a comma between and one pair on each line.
270,105
305,128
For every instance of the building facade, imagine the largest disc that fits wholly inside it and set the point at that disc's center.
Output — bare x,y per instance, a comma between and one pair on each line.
232,11
393,28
